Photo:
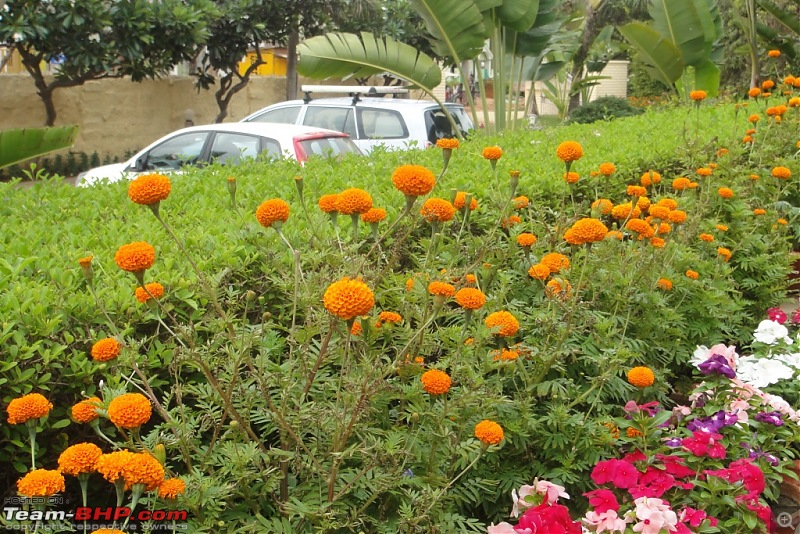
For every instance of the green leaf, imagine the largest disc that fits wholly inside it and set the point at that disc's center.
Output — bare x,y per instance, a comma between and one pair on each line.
707,77
61,424
788,19
518,14
25,143
457,27
345,55
661,55
681,23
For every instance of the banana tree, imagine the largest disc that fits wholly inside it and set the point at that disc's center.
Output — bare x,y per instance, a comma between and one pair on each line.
679,45
458,30
24,143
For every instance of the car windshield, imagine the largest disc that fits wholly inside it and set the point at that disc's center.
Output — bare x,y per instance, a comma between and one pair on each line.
327,146
439,127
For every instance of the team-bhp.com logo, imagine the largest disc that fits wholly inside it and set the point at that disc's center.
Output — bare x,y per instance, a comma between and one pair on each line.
88,513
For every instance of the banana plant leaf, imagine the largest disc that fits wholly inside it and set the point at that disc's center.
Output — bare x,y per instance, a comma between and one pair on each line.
788,18
346,54
518,15
681,22
660,54
457,26
25,143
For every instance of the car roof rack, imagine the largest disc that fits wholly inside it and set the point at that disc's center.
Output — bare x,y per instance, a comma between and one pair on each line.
353,90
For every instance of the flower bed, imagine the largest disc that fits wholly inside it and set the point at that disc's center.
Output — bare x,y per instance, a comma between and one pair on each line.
394,344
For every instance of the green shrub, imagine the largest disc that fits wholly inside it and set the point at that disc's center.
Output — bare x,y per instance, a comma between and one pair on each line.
281,419
604,108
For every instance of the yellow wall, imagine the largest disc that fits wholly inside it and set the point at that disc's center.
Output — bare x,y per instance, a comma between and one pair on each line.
273,65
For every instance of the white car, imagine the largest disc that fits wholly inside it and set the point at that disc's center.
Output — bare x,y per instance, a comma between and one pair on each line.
224,143
370,121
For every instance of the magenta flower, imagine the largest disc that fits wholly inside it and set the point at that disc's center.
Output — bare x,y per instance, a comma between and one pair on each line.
602,500
717,363
705,444
776,314
550,518
618,472
773,418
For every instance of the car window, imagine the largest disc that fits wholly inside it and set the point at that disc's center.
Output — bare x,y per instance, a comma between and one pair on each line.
439,127
331,118
284,115
184,149
381,124
234,147
327,146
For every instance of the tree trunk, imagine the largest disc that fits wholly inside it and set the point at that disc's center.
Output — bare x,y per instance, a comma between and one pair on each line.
32,64
291,65
588,36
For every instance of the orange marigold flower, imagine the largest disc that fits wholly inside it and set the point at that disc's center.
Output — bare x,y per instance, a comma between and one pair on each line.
502,323
510,221
106,349
27,407
694,275
677,216
413,180
521,202
725,253
643,203
640,227
680,183
766,85
470,278
143,469
721,228
489,432
751,131
353,200
112,466
348,298
586,230
492,153
783,222
409,284
86,262
135,257
708,238
772,111
558,287
572,177
774,53
649,178
86,410
754,92
448,143
659,212
460,201
437,210
721,152
470,298
621,211
704,171
747,139
603,205
632,432
327,203
636,191
725,192
130,410
153,288
526,239
356,329
272,211
663,228
607,169
436,382
697,96
693,185
641,377
539,271
375,215
754,118
441,289
794,102
504,355
664,284
170,488
79,459
657,242
759,211
569,151
782,173
614,234
668,203
41,483
555,261
388,317
149,189
789,80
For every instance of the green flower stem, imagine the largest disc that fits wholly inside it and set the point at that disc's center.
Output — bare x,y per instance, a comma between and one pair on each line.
136,494
406,211
432,244
31,424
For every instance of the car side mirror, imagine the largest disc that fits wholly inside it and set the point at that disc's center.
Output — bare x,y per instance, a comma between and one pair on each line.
139,165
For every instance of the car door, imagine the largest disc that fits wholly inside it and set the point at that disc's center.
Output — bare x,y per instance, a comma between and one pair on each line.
233,147
170,155
336,118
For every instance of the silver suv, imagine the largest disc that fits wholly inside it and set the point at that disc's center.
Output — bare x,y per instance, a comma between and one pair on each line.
369,121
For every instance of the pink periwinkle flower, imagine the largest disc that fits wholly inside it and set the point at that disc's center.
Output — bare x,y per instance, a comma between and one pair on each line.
602,500
654,515
607,521
618,472
551,491
506,528
550,518
776,314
